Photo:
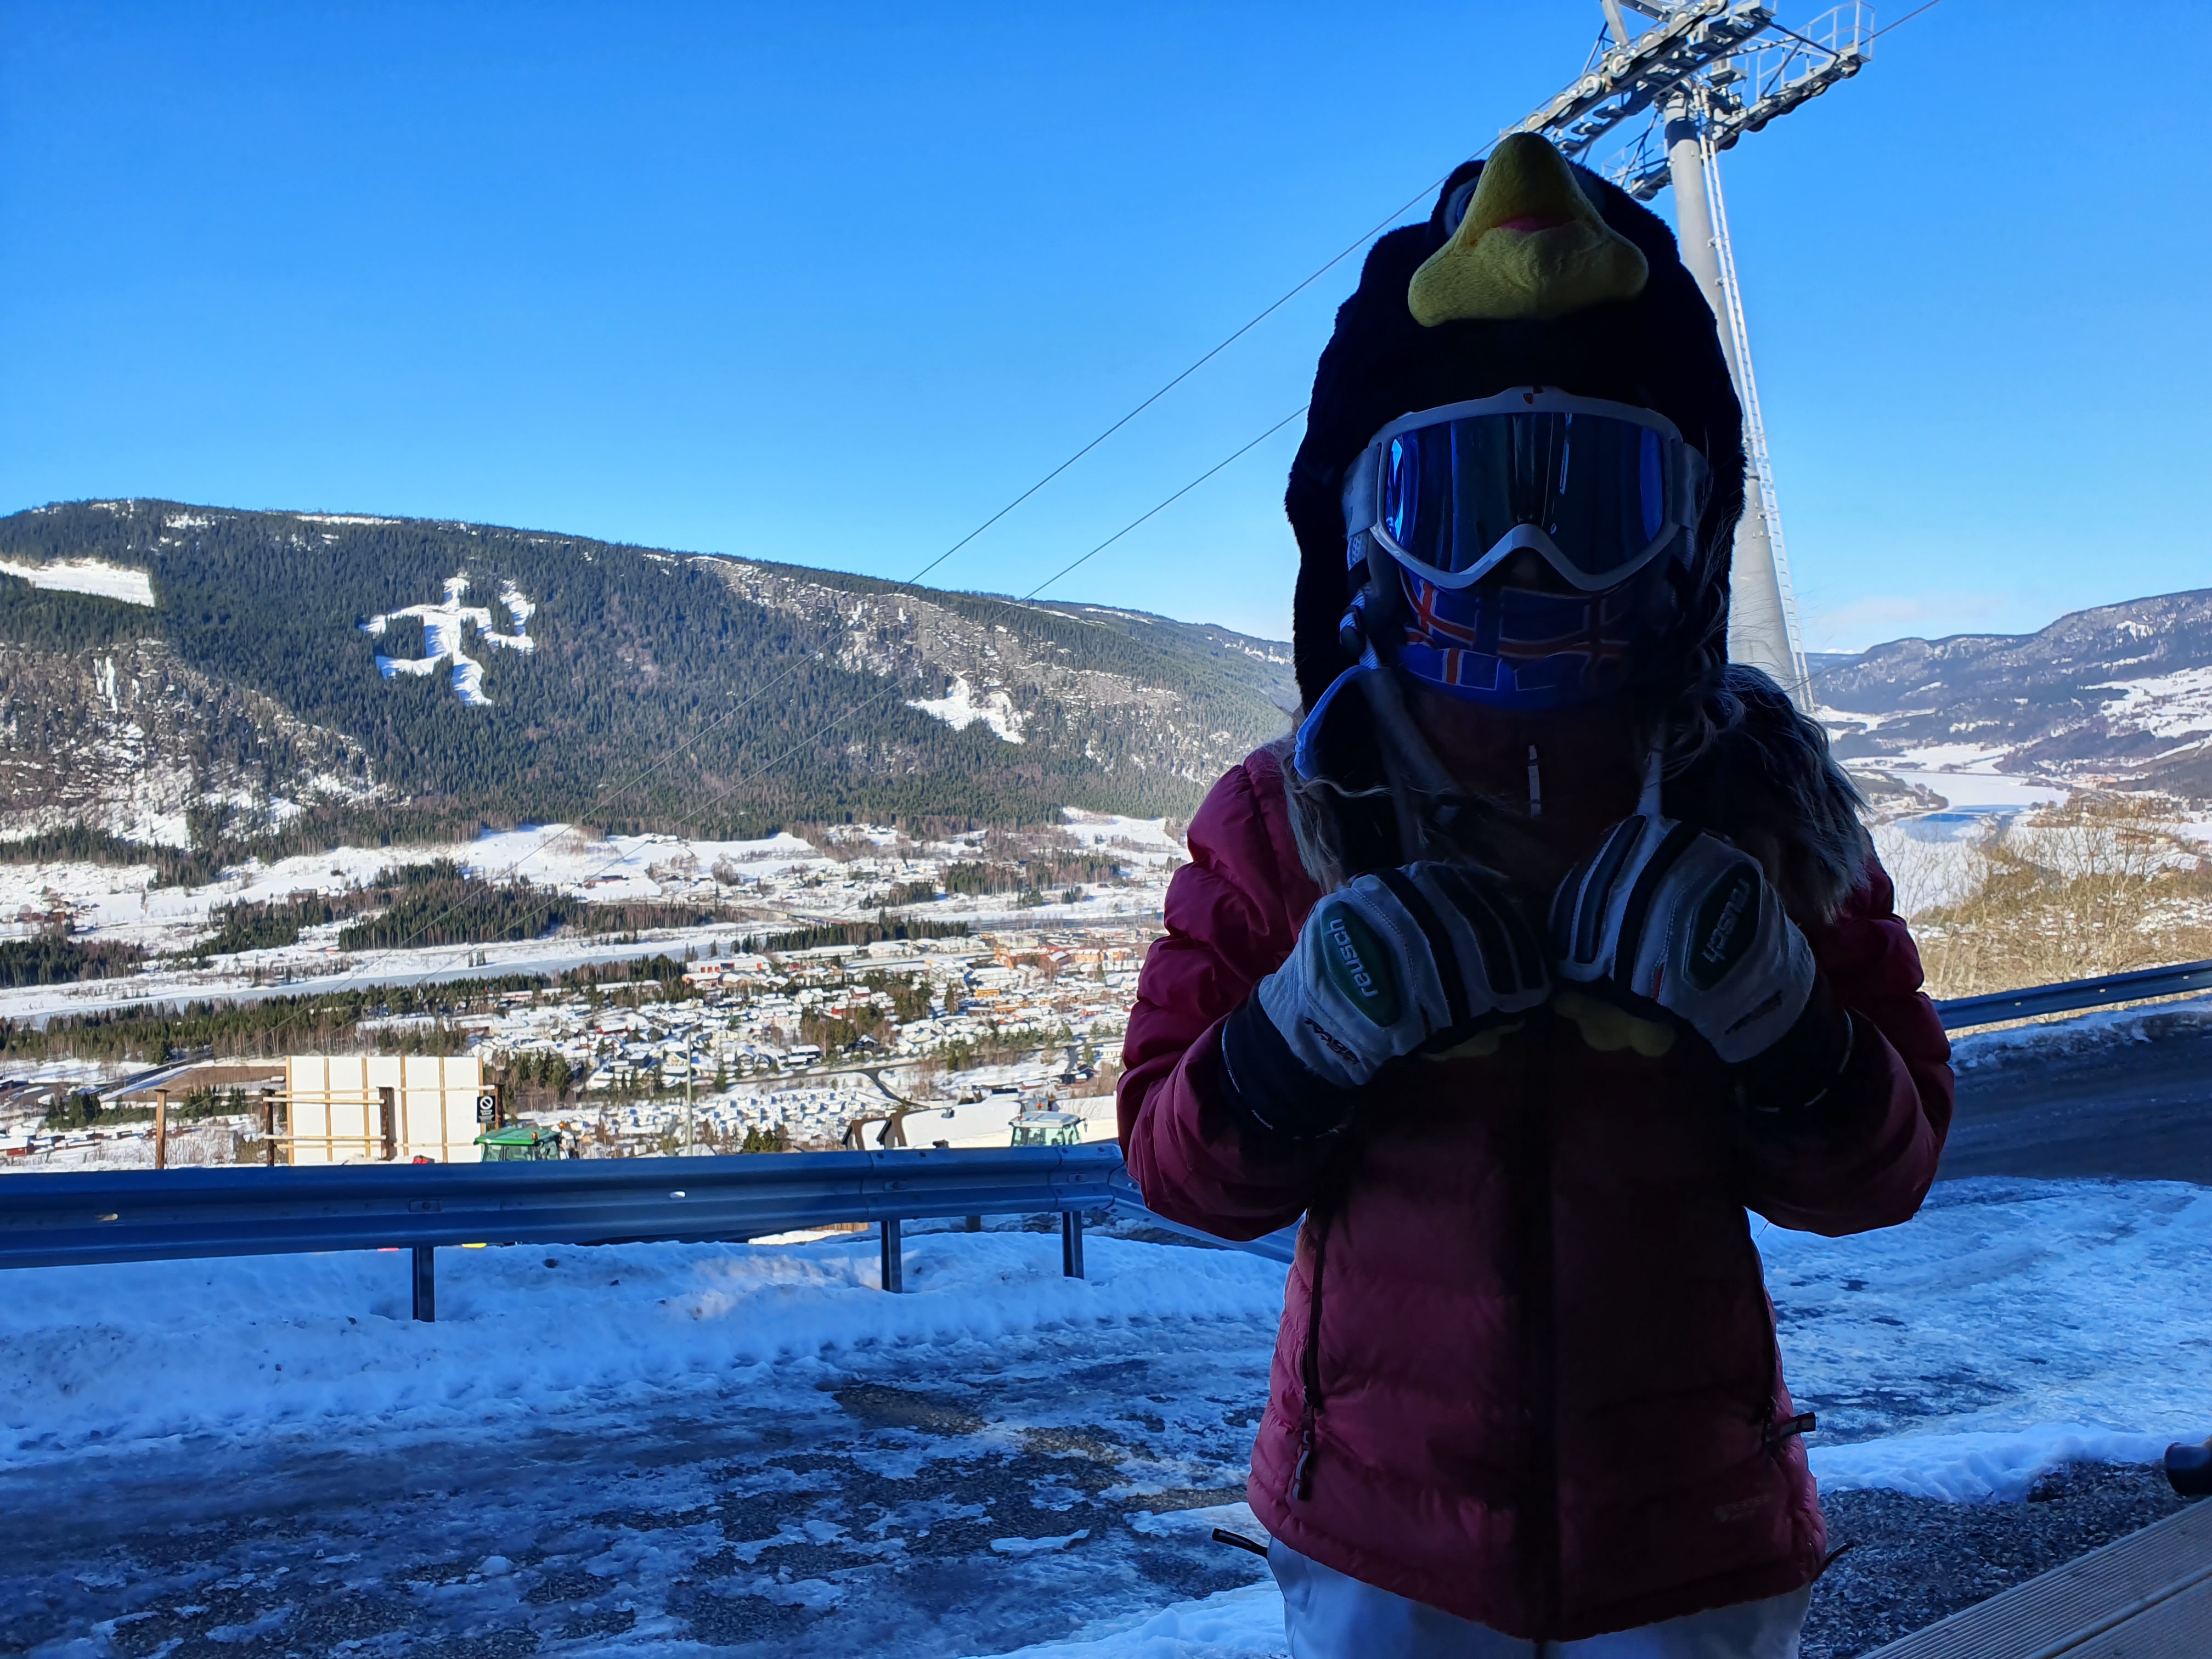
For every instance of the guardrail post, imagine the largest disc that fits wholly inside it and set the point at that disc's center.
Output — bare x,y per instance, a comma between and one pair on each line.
161,1128
426,1283
387,1102
1071,1243
894,1256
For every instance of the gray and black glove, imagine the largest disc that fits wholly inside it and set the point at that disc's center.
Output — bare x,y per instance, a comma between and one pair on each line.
1663,915
1391,960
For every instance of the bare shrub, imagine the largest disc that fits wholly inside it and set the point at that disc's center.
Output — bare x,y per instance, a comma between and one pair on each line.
2104,883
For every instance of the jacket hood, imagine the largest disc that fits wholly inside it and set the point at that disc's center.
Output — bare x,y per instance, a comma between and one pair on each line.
1657,347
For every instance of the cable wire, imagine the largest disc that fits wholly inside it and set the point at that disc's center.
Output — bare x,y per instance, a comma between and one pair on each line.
1903,20
1305,282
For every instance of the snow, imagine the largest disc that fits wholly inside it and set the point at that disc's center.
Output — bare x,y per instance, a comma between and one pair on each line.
1983,790
961,708
1963,1354
1148,835
443,625
2176,705
120,903
119,1355
87,575
1038,1546
2012,1326
1957,1355
2139,1023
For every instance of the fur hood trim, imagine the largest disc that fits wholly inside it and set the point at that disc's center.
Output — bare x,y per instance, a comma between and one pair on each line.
1761,775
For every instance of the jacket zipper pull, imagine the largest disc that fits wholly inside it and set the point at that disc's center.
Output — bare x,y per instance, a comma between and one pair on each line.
1803,1422
1302,1479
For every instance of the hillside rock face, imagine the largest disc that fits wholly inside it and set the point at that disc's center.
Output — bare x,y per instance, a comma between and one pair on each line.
327,663
125,739
2121,694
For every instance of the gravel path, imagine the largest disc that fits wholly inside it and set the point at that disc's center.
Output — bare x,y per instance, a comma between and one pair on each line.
1915,1560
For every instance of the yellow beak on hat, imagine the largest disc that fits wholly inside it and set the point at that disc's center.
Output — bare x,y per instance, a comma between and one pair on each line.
1531,246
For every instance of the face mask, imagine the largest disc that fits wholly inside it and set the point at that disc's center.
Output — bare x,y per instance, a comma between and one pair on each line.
1530,648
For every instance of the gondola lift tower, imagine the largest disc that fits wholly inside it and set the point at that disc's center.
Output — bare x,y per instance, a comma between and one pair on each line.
1657,108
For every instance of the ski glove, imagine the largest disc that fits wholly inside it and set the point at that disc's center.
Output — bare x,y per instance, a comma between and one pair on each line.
1384,964
1662,914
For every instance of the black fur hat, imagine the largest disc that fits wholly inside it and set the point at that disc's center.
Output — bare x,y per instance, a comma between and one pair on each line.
1661,351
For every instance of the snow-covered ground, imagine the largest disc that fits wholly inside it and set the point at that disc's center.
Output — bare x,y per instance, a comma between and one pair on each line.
87,575
961,708
754,1447
781,880
445,626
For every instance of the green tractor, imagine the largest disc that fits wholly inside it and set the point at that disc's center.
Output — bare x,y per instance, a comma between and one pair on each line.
1048,1129
521,1142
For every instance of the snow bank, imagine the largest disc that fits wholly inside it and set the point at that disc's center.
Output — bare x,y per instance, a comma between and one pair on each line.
2143,1022
242,1347
1976,1468
2011,1327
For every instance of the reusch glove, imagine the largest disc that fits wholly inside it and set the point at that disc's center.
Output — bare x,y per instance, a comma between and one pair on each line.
1663,914
1390,961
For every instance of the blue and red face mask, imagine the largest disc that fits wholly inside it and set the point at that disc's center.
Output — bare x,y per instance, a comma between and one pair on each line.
1530,648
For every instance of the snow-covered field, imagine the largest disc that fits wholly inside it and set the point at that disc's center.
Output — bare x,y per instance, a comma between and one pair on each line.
87,575
755,1441
783,879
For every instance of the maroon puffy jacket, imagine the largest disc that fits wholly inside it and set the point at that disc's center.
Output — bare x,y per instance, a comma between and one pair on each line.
1526,1335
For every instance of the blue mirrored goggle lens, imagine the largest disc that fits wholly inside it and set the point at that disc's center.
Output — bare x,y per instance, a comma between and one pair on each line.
1597,487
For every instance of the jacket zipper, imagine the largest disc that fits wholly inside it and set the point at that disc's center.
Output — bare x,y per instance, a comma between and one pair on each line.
1774,1429
1542,1364
1309,1370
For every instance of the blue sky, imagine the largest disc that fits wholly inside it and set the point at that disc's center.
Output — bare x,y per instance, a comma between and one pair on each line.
832,285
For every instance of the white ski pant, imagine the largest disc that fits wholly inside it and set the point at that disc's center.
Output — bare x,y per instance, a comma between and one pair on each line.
1329,1616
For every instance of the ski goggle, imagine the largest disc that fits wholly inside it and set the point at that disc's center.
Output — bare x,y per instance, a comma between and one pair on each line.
1598,490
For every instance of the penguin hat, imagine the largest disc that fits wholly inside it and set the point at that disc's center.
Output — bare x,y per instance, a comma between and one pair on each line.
1523,462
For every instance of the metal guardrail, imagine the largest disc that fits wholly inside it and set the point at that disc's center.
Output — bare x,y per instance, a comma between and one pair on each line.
144,1215
137,1215
2073,994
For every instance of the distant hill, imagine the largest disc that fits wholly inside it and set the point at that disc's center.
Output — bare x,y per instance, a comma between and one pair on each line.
172,672
2120,693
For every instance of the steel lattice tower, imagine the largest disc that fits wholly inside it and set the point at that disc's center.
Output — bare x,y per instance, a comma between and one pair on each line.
1666,102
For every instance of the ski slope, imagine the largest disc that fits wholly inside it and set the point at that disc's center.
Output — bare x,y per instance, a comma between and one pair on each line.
754,1448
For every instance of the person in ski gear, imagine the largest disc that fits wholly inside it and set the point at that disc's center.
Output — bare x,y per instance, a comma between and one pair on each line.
1550,945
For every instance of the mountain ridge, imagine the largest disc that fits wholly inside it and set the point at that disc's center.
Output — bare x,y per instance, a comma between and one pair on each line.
2113,694
314,672
198,676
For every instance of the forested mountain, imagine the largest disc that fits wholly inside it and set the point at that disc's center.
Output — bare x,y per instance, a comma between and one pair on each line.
344,671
